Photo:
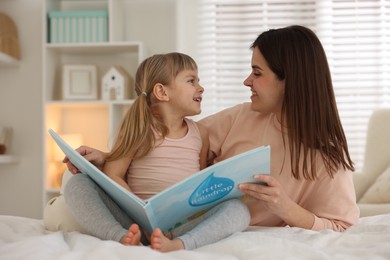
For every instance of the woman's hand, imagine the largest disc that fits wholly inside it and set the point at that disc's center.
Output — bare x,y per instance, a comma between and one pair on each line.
278,202
272,194
97,157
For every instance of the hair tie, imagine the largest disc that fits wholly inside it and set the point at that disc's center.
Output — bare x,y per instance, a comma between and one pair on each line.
145,94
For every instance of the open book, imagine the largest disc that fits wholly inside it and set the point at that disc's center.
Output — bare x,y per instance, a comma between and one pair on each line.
185,200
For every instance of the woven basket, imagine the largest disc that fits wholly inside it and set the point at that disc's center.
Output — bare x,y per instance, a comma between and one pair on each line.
9,41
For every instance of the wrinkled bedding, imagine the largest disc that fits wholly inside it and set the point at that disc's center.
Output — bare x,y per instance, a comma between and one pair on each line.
26,238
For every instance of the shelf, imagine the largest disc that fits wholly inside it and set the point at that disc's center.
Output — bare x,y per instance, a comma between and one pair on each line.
53,190
8,61
96,120
82,103
93,48
5,159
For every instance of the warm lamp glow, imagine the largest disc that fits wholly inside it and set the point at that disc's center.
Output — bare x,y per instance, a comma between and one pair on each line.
74,140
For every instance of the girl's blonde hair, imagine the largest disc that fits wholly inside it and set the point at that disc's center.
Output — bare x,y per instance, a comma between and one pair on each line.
136,137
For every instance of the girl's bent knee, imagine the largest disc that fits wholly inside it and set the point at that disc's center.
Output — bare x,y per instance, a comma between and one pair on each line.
241,210
77,183
78,180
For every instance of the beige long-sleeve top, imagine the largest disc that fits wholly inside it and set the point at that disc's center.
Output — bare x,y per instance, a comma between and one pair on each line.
331,200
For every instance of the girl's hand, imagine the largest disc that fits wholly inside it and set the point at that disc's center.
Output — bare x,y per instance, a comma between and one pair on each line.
97,157
272,194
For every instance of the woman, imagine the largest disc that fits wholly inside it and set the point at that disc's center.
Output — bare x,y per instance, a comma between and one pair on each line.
292,109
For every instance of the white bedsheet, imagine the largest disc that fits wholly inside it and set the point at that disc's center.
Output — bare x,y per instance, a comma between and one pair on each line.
25,238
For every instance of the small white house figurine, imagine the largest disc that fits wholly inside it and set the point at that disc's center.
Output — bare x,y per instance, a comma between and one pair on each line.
116,84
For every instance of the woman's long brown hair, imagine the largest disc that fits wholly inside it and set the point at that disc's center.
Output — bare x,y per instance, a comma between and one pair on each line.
309,110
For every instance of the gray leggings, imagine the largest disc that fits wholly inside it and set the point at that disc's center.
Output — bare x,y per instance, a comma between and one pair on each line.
102,217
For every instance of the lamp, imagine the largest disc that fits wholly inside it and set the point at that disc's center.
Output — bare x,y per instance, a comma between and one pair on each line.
74,141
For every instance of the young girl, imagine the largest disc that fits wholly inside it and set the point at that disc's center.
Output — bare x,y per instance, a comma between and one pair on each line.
156,147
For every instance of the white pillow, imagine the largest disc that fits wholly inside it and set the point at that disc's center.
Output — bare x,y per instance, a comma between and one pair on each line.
379,192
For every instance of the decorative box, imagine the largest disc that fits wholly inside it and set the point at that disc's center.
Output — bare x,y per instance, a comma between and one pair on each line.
78,26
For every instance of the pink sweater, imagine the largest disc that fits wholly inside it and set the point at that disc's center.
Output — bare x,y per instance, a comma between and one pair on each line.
332,201
170,162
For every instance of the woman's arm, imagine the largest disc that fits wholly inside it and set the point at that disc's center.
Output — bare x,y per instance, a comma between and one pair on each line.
205,146
218,126
331,203
278,202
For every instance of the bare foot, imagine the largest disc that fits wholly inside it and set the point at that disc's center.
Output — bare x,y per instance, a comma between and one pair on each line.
133,236
162,243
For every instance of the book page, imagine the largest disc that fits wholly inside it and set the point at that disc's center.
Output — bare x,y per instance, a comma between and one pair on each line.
207,188
129,202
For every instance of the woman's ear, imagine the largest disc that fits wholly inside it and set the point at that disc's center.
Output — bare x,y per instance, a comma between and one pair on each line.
160,92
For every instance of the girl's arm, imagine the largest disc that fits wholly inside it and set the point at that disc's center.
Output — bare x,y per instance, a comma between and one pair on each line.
117,170
97,157
205,146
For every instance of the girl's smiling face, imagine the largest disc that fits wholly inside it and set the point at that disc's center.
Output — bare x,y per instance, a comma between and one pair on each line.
186,93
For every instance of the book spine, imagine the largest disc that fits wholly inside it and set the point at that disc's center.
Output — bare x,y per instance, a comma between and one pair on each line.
151,218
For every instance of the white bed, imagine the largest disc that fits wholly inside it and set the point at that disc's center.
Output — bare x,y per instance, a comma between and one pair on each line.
26,238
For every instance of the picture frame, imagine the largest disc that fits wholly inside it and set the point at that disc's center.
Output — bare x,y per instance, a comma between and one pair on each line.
79,82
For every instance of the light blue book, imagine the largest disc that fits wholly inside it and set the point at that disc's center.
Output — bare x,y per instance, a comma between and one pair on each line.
185,200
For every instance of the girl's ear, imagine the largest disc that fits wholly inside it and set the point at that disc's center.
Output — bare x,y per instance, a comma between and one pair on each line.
160,92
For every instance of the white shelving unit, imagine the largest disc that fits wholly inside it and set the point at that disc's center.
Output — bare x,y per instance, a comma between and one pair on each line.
95,120
8,159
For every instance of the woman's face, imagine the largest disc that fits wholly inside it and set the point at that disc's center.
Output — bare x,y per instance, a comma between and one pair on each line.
267,89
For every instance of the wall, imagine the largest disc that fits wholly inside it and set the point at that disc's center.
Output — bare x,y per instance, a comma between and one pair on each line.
21,184
167,25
